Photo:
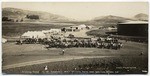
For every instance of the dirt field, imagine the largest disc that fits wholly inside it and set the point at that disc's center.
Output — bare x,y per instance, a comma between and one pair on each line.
17,29
34,57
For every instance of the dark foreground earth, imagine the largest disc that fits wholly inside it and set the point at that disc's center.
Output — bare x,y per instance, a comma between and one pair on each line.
33,58
113,65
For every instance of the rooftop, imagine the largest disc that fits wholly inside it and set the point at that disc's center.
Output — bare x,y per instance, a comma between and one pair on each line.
135,22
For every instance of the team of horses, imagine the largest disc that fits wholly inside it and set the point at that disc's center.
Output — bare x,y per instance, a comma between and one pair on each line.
31,41
108,43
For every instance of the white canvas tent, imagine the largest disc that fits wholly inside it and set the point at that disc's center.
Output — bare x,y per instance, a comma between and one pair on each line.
4,40
82,26
55,30
110,28
52,31
46,31
89,27
34,34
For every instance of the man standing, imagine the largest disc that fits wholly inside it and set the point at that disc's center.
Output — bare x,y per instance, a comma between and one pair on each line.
45,68
63,51
20,41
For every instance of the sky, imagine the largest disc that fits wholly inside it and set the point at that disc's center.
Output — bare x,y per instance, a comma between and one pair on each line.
84,11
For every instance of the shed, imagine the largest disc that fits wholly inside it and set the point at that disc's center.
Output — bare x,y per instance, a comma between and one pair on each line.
133,28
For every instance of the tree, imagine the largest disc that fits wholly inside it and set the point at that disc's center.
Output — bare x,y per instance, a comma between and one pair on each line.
21,20
16,20
32,17
5,19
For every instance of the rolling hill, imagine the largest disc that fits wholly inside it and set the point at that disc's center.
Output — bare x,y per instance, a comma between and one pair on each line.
17,14
141,16
109,20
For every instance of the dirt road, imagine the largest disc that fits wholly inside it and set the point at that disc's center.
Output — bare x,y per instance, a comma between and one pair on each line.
64,58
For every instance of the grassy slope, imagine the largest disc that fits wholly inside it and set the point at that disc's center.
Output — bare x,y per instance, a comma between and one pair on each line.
128,56
97,32
15,13
17,29
97,64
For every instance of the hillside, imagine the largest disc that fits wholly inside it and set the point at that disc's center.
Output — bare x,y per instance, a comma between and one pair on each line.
18,14
109,20
141,16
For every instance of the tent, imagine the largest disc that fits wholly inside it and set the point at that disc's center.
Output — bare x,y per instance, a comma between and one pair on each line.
55,30
4,40
34,34
111,28
52,31
46,31
89,27
82,26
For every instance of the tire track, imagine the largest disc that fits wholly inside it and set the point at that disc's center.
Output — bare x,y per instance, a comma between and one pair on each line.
66,58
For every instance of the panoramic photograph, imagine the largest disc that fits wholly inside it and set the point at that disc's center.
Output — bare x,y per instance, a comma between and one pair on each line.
75,38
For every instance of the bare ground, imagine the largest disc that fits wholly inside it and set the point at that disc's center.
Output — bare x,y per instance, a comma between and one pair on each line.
35,57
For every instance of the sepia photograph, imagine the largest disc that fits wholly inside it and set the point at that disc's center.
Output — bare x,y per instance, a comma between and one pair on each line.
64,38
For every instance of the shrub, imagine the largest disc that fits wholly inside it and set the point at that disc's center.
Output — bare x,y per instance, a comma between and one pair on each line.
32,17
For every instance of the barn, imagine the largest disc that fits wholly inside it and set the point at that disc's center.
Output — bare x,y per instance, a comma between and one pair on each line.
133,28
71,29
75,28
